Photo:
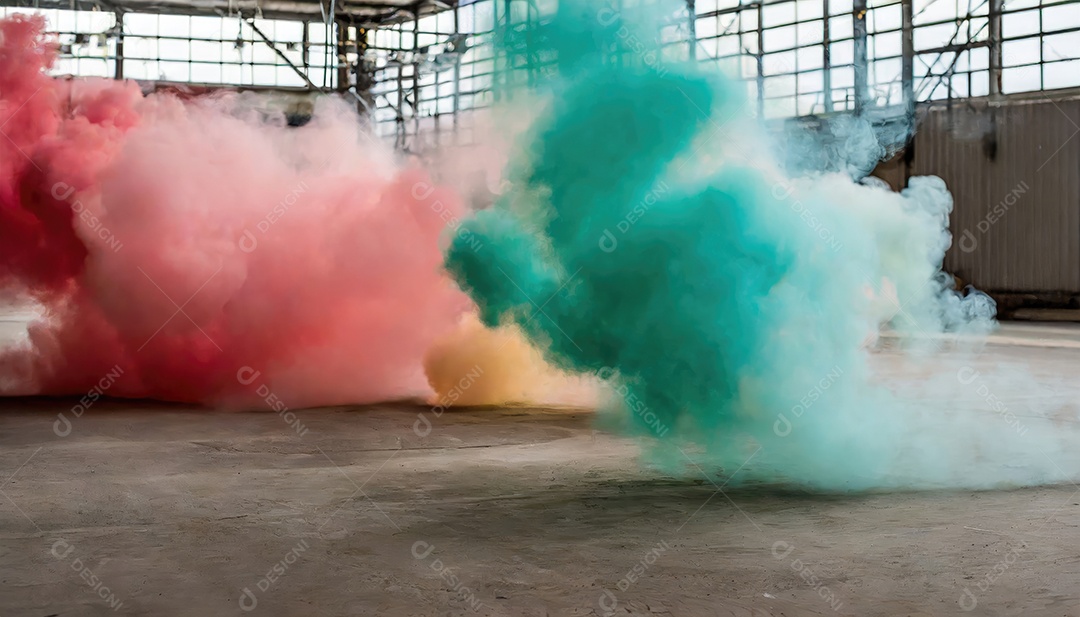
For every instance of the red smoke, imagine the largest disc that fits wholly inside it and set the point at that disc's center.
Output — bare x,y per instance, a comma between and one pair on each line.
180,244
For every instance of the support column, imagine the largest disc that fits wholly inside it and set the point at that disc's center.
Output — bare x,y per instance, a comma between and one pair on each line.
342,49
508,54
858,14
760,62
365,76
457,75
995,47
826,61
305,48
908,60
416,71
691,6
118,70
908,85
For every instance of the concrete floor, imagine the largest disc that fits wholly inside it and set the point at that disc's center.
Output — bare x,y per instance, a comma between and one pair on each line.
153,509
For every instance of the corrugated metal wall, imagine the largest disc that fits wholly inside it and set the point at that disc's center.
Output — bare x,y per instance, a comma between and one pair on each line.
1014,172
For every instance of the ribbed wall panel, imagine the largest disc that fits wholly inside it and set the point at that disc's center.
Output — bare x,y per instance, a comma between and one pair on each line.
1014,172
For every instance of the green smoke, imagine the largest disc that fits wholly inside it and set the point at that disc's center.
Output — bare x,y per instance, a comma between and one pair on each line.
647,240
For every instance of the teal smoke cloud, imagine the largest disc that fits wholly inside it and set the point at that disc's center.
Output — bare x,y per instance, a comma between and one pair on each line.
650,237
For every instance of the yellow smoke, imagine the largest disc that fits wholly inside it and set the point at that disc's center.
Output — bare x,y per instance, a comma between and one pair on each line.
475,365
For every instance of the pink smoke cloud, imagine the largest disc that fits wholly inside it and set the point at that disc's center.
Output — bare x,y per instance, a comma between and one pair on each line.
204,253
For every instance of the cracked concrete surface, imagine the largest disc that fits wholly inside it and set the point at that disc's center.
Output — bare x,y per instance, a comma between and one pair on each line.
154,509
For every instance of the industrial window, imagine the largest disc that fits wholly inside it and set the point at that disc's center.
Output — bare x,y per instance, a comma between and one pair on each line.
796,57
190,49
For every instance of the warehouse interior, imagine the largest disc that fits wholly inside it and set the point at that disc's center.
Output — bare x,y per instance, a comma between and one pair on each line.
326,499
991,82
